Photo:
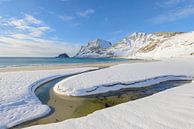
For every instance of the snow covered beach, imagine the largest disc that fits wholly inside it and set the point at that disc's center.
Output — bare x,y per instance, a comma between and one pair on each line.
91,64
17,100
125,76
19,104
170,109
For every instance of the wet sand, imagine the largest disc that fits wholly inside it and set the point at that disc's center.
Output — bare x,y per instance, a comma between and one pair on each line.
54,67
67,66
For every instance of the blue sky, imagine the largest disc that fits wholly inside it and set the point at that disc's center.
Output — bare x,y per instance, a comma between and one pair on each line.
49,27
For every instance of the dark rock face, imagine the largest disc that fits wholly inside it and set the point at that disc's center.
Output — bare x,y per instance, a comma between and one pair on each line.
64,55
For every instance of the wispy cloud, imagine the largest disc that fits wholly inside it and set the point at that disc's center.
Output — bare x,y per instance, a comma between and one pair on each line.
170,3
173,10
173,15
26,37
66,18
27,24
174,2
86,13
25,45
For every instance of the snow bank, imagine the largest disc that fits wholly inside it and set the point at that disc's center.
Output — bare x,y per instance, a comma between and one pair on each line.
124,76
17,100
169,109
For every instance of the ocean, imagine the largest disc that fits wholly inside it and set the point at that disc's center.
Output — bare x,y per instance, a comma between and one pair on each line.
33,61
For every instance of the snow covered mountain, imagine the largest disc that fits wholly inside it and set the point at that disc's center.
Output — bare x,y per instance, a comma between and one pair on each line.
142,45
132,43
175,45
94,49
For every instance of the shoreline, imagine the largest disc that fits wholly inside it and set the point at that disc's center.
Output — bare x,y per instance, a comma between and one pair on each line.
54,67
65,66
29,107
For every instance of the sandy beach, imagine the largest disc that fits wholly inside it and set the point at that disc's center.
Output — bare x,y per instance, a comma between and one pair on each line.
55,67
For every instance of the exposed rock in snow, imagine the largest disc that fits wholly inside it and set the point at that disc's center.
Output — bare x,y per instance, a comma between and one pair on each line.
142,45
178,45
95,49
133,43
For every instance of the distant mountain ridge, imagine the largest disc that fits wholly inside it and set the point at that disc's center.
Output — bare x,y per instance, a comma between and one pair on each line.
142,45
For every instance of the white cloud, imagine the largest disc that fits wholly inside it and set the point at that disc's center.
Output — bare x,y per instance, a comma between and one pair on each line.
86,13
38,31
26,37
168,3
32,20
172,3
66,18
25,45
20,36
28,24
173,15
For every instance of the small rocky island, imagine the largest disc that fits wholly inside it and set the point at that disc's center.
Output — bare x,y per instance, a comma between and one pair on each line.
63,55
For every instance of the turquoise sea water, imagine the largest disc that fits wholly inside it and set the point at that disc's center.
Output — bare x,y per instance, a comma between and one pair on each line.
30,61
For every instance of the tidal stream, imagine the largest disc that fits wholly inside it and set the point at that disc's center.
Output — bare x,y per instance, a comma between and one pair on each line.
65,107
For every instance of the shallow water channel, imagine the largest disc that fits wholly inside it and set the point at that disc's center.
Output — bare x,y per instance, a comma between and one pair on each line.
65,107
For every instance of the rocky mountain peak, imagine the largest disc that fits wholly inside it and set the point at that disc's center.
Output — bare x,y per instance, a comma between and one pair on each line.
94,49
99,43
141,45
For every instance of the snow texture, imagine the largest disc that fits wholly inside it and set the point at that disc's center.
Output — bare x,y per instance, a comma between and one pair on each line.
18,102
169,109
143,46
125,76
